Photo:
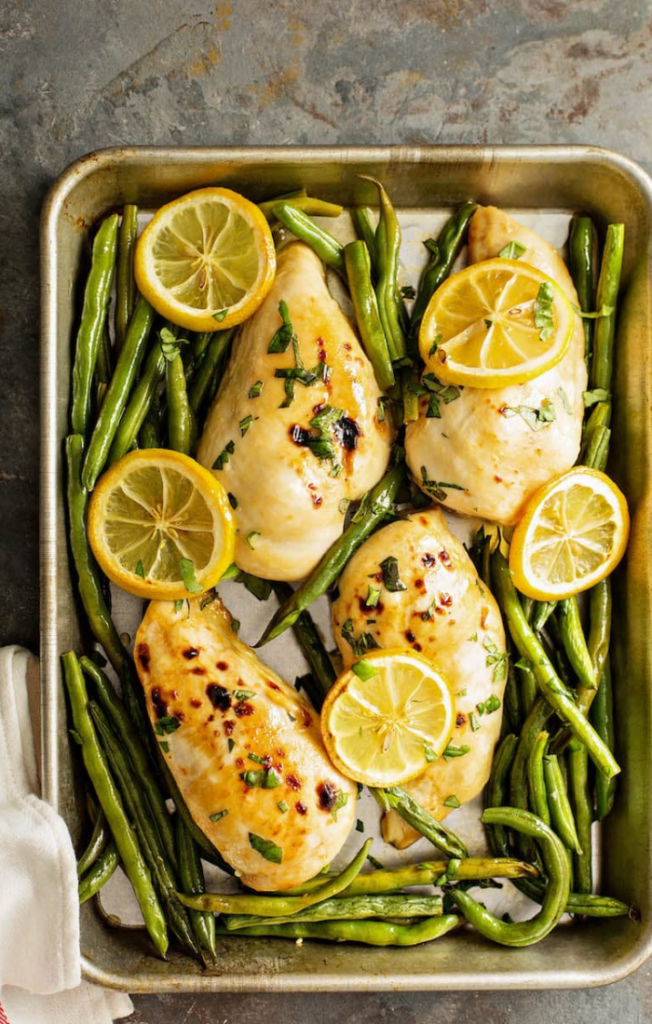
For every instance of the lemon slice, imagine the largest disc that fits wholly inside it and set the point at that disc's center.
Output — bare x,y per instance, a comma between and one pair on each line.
387,718
160,525
495,323
207,260
573,533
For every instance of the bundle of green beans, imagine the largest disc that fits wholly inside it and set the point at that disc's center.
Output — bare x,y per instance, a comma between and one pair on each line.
154,387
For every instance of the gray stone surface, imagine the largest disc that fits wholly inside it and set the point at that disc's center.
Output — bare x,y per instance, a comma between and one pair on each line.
78,76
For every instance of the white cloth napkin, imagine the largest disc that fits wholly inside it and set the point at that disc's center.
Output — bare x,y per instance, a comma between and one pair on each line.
40,974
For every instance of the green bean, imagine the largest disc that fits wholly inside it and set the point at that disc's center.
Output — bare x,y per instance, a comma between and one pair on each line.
388,244
396,799
312,647
104,361
536,780
495,793
583,252
580,795
191,876
550,684
387,880
89,335
145,828
371,933
572,637
149,435
281,905
179,423
200,343
111,803
99,872
136,750
449,243
300,224
125,283
129,360
528,686
607,295
366,233
513,715
372,335
523,933
88,574
561,812
534,724
541,613
595,437
578,903
352,908
602,717
267,207
100,837
212,363
307,204
139,404
378,504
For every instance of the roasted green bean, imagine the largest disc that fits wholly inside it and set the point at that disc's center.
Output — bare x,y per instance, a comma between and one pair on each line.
99,872
449,243
179,415
582,804
372,335
98,841
139,404
125,282
607,296
325,245
536,778
393,798
371,933
561,813
583,252
191,877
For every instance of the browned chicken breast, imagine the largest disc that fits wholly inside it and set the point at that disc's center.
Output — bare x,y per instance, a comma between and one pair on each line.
446,613
289,489
244,748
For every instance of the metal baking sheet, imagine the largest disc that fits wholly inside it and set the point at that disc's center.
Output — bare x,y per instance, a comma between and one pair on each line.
542,186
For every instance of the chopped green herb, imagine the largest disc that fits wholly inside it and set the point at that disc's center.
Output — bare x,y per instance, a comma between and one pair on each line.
543,303
251,536
364,670
430,611
343,506
285,334
473,638
233,501
383,402
187,570
535,418
461,693
217,816
473,719
265,778
365,642
452,801
241,695
568,409
170,344
375,863
266,848
488,323
75,736
207,600
220,315
597,315
282,806
223,457
359,825
495,658
593,397
245,424
512,251
524,663
140,569
481,708
436,488
165,747
261,589
373,597
453,751
257,760
391,579
430,755
493,703
231,745
436,343
255,389
342,800
408,292
169,724
235,625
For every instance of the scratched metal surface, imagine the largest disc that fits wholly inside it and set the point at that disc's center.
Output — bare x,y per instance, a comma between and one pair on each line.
74,77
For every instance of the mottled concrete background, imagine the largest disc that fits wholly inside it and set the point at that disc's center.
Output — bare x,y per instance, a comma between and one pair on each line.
75,76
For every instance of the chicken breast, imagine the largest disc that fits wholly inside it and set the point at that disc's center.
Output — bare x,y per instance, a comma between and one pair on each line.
244,748
494,455
446,613
287,495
